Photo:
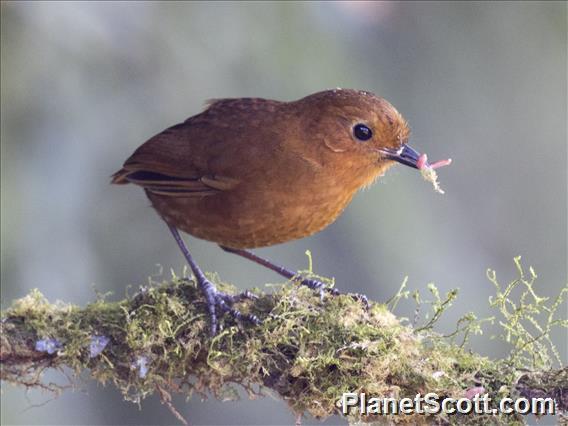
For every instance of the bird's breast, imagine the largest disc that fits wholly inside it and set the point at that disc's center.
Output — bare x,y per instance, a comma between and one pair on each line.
248,217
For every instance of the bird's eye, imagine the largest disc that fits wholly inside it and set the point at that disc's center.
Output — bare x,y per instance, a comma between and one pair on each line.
362,132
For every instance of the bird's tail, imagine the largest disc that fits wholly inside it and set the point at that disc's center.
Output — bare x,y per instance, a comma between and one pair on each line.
119,178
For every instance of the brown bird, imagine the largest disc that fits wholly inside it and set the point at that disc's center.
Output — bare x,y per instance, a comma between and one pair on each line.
253,172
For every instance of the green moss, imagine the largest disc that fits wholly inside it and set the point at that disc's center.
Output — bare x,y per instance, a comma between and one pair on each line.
307,350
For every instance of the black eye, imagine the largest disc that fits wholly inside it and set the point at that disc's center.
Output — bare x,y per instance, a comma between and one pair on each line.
362,132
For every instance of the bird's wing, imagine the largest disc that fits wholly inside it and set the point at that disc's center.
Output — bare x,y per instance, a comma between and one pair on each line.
173,186
170,164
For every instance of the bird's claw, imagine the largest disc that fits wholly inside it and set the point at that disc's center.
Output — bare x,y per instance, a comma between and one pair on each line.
361,298
322,288
218,301
314,285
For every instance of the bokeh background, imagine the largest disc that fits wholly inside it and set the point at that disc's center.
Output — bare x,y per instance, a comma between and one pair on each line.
83,84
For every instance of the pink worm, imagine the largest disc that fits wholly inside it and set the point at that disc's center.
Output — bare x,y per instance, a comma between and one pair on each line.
423,162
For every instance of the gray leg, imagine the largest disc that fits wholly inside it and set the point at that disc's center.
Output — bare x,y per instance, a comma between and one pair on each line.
313,284
215,298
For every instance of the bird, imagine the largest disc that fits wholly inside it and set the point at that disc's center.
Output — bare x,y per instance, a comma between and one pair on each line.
251,172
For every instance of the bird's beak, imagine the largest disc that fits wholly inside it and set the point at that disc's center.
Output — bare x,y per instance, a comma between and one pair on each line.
405,155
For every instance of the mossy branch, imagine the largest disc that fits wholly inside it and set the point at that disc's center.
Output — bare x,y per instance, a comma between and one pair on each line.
307,351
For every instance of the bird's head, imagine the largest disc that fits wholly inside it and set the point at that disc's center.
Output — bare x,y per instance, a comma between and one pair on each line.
357,132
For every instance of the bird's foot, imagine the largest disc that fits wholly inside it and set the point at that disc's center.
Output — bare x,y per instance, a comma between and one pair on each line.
323,288
221,302
361,298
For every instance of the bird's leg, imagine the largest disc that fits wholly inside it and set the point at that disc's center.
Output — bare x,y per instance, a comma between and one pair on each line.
313,284
215,299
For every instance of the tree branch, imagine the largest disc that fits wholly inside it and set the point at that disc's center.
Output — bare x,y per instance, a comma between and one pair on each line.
308,351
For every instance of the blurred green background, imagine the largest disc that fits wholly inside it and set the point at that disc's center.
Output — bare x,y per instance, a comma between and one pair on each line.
83,84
